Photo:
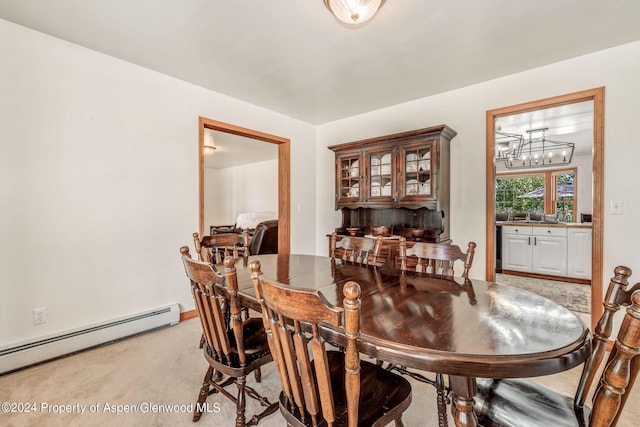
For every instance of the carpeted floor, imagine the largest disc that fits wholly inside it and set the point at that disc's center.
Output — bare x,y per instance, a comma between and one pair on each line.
575,297
165,367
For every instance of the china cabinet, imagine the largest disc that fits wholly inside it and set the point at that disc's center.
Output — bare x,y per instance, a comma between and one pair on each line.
399,180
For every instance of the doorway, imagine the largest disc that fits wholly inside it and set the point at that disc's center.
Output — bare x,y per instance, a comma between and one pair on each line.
284,184
597,96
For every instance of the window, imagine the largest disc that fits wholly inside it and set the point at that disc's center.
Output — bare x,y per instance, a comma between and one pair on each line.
518,194
551,191
564,195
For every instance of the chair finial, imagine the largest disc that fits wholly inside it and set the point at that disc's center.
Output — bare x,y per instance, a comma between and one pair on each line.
351,290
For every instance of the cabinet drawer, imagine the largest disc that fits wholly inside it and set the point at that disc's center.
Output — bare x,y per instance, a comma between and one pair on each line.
516,229
550,231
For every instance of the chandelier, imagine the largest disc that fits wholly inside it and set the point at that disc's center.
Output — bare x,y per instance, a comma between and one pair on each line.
354,11
536,151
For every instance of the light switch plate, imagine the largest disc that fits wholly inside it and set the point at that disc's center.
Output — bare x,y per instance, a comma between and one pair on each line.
615,208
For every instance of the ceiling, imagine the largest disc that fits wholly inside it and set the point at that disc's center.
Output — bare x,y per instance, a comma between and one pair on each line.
566,123
235,150
295,58
571,123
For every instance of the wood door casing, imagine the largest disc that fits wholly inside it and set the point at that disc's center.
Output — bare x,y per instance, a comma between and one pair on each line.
284,174
597,96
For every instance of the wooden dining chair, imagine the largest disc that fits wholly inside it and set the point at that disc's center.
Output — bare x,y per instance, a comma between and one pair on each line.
215,248
233,347
359,250
320,386
520,402
435,258
438,259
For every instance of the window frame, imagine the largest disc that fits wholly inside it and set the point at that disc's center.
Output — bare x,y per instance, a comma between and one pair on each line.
549,180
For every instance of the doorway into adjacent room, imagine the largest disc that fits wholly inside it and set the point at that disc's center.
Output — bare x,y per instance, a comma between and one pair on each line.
555,194
283,160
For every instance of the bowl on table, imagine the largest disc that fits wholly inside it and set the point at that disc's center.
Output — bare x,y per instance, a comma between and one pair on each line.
381,231
417,233
353,230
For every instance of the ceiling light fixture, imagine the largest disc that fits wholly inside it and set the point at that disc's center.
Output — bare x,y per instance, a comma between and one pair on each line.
208,145
354,11
535,152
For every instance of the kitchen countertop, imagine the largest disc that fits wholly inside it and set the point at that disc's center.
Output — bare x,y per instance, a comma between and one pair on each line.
544,224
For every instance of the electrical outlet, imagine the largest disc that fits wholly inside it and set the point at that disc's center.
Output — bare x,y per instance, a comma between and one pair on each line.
39,315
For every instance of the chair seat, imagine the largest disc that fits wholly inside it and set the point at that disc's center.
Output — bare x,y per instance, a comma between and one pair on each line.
383,395
255,346
524,403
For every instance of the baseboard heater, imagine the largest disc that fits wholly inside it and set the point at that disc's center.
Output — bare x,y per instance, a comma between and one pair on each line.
40,350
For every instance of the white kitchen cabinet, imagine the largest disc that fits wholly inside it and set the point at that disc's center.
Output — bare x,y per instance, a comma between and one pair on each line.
541,250
516,248
549,252
579,253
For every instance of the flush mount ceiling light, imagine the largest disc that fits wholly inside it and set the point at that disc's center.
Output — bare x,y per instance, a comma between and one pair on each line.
208,146
354,11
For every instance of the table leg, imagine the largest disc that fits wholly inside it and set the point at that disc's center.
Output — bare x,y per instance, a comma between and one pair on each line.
462,391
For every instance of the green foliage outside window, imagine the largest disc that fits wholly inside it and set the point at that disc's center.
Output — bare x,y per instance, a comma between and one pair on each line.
565,201
510,192
519,194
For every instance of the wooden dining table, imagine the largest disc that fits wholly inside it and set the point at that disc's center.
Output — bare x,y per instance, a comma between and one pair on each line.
466,329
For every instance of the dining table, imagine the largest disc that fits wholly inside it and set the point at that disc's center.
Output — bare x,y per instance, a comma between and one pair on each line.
462,328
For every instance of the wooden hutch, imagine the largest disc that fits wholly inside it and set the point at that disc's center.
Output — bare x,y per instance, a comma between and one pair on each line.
399,181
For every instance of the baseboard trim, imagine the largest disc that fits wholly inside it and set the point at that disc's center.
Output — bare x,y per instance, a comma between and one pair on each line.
545,276
32,352
186,315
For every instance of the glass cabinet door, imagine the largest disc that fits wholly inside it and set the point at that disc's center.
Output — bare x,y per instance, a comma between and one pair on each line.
349,181
380,173
417,169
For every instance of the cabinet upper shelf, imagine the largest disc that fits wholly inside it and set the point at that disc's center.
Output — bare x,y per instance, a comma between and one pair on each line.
408,170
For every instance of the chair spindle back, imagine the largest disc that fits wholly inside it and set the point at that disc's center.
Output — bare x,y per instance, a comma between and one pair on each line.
435,258
215,248
212,306
292,319
358,250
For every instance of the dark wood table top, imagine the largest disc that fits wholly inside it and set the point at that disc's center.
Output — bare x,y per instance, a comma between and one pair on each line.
470,329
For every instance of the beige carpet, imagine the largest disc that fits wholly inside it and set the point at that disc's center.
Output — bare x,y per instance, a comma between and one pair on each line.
166,367
576,297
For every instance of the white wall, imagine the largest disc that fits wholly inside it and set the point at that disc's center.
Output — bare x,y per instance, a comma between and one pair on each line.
584,185
246,188
99,177
215,213
464,110
99,182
